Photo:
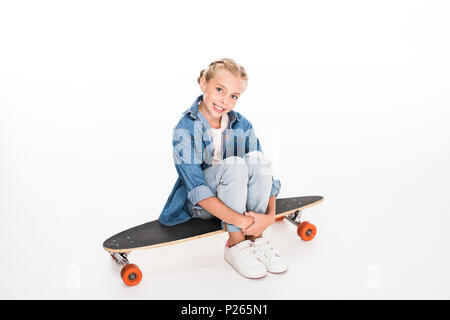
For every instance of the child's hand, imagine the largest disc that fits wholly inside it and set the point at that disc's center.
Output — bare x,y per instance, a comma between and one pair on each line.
247,221
261,222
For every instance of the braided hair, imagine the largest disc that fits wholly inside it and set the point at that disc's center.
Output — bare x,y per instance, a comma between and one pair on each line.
228,64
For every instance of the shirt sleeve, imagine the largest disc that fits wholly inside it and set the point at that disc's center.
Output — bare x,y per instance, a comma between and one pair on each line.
276,187
187,164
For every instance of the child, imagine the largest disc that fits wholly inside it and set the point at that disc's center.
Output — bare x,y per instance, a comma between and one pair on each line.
223,172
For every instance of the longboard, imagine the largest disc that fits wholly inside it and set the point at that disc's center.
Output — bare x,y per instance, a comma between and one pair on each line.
153,234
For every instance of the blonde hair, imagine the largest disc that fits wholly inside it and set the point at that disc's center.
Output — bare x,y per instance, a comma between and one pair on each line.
228,64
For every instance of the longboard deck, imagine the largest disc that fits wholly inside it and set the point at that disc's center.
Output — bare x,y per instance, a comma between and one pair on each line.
153,234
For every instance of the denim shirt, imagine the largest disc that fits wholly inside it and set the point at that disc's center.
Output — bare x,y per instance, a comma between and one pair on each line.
193,152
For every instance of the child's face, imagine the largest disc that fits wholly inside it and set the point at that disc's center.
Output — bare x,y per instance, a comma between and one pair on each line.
223,91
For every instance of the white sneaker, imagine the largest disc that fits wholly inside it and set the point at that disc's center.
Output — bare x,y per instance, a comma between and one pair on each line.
270,256
242,256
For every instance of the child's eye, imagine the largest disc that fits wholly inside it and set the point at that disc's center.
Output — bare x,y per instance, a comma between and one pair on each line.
233,96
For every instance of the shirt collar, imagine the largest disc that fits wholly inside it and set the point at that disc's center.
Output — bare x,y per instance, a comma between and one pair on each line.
193,110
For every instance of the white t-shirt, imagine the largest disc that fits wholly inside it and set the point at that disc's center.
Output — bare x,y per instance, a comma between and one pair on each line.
217,139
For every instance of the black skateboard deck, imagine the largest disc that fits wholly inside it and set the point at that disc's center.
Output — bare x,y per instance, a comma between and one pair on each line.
153,234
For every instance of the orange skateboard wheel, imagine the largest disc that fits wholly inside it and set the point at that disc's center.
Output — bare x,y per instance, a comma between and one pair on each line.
279,218
307,231
131,274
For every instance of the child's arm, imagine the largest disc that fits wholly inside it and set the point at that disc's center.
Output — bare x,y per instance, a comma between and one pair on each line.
271,206
217,208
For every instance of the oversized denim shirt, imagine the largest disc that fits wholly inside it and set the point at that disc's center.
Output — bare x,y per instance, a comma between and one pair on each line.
193,150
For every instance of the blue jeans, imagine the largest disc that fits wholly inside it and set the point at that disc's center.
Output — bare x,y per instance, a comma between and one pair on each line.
242,184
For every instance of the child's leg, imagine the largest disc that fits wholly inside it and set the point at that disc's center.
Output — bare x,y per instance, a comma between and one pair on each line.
232,178
259,183
235,237
259,188
228,180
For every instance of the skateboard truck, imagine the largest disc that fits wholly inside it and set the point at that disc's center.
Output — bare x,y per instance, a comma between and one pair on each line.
294,217
120,258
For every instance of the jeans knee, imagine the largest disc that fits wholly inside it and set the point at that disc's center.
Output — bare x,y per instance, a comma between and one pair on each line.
258,163
233,161
235,168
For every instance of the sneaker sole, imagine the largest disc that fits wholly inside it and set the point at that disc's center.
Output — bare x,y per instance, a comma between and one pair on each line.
277,272
248,277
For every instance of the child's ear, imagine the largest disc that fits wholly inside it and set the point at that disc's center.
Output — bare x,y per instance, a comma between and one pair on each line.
203,84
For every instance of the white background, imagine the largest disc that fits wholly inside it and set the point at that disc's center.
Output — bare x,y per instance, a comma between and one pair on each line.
350,100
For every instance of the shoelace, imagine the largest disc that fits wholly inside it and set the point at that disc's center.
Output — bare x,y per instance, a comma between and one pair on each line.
266,249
